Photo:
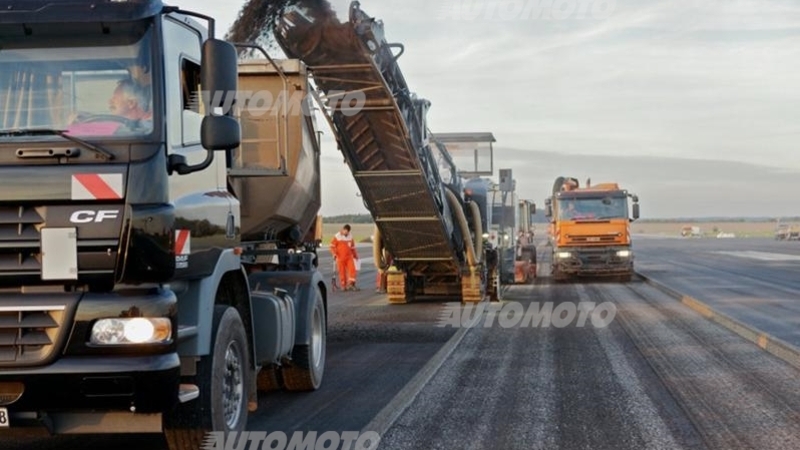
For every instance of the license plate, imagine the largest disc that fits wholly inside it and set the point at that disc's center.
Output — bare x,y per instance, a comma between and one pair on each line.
4,422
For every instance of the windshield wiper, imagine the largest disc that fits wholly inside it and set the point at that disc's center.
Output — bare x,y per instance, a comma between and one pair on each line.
100,151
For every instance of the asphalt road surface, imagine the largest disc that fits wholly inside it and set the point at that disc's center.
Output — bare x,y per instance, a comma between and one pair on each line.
756,281
657,376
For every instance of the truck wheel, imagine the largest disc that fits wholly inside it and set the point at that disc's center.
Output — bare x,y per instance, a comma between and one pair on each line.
308,361
222,380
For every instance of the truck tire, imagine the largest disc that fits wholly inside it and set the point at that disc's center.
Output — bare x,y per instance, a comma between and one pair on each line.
222,380
308,361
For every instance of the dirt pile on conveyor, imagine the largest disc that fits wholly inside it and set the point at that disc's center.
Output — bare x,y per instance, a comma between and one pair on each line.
305,29
258,19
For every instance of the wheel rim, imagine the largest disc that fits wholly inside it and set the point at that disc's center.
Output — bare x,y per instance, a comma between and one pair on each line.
233,386
316,337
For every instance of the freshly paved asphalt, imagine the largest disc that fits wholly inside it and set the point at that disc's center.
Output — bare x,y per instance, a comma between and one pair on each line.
756,281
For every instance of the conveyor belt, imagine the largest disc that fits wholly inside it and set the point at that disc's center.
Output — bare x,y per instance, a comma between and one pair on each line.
385,141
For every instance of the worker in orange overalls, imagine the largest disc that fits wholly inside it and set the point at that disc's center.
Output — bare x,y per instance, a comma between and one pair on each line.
344,253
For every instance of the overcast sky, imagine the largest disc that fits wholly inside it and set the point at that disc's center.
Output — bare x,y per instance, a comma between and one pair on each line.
693,105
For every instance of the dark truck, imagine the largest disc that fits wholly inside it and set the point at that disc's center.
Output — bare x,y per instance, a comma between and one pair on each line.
157,264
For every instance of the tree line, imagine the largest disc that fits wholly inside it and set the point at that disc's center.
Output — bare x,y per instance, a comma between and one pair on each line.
348,218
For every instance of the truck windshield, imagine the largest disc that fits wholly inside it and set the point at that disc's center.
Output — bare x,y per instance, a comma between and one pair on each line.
86,85
601,208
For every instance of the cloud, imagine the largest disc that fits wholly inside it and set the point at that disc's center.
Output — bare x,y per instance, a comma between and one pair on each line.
667,187
701,97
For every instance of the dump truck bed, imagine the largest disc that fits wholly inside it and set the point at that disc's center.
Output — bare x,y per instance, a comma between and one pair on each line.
276,171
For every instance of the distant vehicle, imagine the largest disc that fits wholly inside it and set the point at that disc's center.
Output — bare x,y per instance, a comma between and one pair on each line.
787,233
689,231
590,229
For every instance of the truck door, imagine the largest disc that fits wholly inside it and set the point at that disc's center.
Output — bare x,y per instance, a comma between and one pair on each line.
202,202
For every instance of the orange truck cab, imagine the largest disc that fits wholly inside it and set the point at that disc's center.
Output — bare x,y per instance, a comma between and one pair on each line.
590,229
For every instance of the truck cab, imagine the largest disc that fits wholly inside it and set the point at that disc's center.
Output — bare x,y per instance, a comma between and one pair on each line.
590,229
124,284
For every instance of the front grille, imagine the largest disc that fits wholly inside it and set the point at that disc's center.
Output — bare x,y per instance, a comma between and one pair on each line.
20,243
28,334
20,240
600,239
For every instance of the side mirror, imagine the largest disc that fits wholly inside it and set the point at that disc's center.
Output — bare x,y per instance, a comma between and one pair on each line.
219,75
219,78
548,210
220,133
635,211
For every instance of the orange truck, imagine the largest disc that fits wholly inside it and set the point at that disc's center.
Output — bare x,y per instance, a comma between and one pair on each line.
590,229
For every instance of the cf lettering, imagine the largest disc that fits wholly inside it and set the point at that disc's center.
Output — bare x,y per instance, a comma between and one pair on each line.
93,216
82,217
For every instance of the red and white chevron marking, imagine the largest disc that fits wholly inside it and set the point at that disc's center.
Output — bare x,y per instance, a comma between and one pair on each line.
95,186
183,242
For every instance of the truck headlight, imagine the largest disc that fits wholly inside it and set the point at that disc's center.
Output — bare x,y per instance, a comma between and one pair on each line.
563,255
624,253
131,331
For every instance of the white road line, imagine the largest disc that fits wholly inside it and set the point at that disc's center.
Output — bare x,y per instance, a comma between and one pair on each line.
399,404
762,256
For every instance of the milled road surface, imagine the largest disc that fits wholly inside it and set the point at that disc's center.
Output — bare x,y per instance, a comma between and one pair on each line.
658,376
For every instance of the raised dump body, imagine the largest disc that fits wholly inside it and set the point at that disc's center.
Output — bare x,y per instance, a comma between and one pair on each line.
276,170
381,130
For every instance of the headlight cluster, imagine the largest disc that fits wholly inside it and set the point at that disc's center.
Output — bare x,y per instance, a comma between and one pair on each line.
624,253
131,331
563,255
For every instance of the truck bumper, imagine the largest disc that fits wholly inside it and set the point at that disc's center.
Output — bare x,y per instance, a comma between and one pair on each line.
71,375
588,261
147,384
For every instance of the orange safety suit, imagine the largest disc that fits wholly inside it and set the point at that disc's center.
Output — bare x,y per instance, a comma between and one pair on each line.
343,249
